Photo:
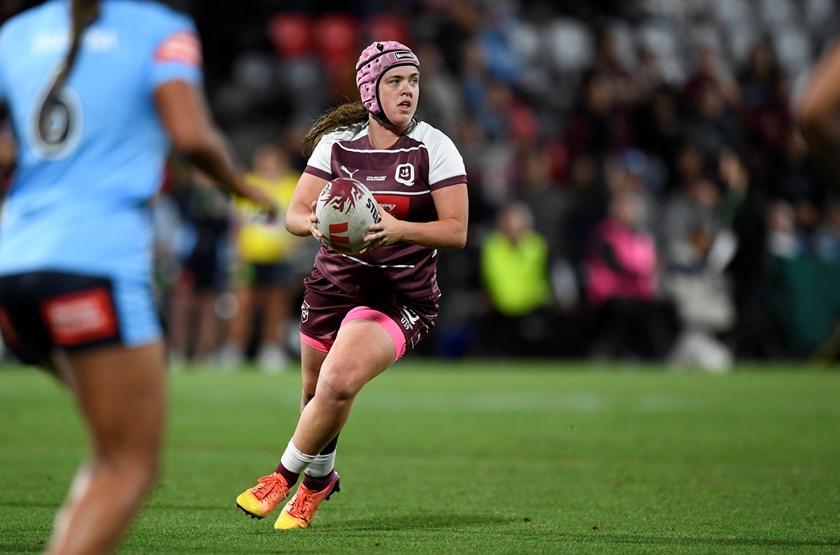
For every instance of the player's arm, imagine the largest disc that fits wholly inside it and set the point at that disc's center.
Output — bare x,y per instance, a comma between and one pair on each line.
8,145
818,112
187,121
300,216
8,153
449,231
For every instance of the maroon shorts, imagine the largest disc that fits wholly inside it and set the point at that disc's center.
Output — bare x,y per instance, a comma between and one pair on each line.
325,307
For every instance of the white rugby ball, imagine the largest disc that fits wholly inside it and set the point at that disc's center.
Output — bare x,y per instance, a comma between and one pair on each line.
345,209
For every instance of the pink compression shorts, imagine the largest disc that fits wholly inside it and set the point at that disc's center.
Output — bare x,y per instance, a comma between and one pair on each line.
365,313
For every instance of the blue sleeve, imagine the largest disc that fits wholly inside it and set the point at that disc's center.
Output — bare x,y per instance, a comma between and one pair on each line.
177,54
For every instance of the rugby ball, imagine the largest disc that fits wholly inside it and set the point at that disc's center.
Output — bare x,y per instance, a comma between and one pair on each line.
345,209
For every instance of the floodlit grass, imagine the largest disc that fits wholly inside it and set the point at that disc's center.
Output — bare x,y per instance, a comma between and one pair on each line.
471,458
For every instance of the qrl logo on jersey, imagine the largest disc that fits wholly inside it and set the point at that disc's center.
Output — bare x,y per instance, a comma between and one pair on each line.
405,174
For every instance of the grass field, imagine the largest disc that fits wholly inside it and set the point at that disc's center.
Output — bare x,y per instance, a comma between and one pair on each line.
471,458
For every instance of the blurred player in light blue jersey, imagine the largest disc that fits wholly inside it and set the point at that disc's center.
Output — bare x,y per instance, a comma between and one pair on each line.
97,92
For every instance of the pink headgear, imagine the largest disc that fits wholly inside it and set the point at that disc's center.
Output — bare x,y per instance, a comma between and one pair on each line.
375,60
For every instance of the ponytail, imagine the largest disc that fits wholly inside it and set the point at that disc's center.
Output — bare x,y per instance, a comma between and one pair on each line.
342,117
82,14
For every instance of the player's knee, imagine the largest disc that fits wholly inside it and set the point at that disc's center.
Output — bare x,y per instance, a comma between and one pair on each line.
133,475
146,472
337,388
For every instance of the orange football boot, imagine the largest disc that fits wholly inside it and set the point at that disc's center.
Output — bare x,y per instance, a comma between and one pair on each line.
260,500
300,509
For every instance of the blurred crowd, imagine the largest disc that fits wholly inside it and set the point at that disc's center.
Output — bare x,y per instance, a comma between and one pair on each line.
639,189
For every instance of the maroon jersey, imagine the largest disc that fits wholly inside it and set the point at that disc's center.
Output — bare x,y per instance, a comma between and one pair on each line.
401,179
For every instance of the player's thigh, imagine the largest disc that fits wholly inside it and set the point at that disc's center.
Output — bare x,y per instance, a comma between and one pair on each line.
121,392
363,349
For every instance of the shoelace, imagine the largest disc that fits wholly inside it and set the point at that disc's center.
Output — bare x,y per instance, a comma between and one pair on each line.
266,485
300,507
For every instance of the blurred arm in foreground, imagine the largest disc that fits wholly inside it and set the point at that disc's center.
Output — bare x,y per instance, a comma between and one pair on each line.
817,112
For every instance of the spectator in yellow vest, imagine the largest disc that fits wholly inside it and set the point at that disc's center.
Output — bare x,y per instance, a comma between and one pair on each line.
265,280
515,275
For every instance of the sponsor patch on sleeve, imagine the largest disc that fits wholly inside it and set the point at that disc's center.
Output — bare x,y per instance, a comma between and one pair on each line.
181,47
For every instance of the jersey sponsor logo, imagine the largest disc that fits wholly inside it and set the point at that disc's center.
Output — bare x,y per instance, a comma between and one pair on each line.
375,178
44,42
80,317
101,39
395,205
97,40
408,318
182,47
405,174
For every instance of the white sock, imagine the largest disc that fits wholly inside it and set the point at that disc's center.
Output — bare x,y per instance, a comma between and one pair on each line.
321,466
295,461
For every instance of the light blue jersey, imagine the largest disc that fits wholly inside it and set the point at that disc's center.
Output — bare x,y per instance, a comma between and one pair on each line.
79,200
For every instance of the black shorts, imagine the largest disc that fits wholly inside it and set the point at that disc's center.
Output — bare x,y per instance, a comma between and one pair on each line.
42,311
325,306
202,274
264,275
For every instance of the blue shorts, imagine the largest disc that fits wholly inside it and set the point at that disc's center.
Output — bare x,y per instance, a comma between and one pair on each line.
42,311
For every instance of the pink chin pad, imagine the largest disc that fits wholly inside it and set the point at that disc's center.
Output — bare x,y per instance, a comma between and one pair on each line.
375,60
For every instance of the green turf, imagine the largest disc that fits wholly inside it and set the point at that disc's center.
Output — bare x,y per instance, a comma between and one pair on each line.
471,458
